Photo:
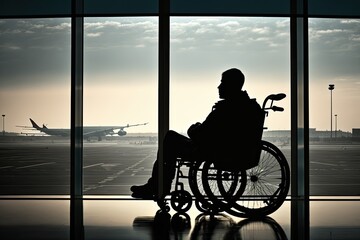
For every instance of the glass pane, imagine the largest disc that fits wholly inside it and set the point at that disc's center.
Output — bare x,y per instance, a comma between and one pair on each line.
253,7
334,8
334,116
204,47
123,6
35,84
35,8
120,90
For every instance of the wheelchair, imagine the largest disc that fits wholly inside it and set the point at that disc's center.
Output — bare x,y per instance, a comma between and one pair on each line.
248,193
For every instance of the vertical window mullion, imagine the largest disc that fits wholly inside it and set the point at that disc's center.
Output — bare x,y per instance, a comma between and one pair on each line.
299,121
77,29
164,75
76,142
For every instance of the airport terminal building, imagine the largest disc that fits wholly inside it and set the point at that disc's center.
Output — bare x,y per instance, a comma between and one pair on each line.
315,135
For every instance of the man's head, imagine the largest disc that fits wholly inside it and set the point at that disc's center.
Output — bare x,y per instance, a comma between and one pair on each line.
231,84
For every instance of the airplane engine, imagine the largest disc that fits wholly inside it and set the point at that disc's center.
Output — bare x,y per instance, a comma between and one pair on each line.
121,133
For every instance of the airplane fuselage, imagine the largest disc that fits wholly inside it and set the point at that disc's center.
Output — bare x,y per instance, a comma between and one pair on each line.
88,131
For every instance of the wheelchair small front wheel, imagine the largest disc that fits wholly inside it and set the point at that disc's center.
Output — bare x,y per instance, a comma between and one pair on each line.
181,200
202,206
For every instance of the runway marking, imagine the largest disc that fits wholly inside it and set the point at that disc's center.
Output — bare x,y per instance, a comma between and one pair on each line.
328,164
136,170
93,165
117,174
335,184
35,165
6,167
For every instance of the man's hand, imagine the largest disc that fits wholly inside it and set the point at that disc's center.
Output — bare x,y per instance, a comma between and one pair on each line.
192,127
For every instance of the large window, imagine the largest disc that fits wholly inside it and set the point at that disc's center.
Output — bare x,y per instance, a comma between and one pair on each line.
201,48
334,113
35,84
120,102
123,72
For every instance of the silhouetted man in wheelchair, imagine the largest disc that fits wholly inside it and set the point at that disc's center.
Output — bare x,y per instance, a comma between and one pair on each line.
230,136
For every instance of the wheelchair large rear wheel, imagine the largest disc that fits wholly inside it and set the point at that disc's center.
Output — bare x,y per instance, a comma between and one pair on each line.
223,187
202,200
267,185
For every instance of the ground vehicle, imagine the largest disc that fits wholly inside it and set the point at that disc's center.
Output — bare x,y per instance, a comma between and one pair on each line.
255,192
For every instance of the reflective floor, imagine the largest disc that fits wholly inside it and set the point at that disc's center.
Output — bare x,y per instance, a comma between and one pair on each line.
102,219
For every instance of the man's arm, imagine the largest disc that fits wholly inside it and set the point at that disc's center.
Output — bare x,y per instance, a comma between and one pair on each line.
192,129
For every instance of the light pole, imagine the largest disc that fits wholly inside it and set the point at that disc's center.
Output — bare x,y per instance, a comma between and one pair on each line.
335,124
331,87
3,124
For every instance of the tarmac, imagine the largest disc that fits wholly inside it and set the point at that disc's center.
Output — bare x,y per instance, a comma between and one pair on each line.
42,167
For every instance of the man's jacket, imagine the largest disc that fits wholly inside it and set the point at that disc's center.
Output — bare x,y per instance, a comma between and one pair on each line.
231,134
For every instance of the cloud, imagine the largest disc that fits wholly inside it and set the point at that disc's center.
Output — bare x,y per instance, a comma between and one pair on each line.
34,51
10,47
261,30
260,39
355,37
60,26
282,23
100,25
123,24
329,31
229,24
38,26
350,21
97,34
127,33
227,33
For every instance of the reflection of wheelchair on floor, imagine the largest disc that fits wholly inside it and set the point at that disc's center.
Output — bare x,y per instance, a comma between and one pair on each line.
253,192
259,228
216,227
224,227
221,226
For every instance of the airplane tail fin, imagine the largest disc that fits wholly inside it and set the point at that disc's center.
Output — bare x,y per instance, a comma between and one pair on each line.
34,124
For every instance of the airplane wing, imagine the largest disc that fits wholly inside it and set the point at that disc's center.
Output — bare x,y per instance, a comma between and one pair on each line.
133,125
103,131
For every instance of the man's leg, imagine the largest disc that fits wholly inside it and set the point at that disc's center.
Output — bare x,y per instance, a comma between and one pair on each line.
149,189
175,145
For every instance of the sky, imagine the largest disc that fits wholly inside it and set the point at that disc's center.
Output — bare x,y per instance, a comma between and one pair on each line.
121,69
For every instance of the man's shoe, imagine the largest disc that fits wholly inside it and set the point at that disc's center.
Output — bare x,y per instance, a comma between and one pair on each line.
142,188
145,191
143,195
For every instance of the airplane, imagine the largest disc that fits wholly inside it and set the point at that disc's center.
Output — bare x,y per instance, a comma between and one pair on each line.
88,131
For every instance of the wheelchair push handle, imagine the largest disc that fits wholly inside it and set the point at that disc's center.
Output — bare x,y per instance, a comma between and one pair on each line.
272,98
277,109
277,97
